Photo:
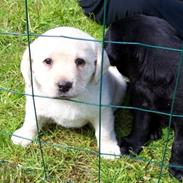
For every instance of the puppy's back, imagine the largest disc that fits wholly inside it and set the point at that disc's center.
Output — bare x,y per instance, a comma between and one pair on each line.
146,29
142,29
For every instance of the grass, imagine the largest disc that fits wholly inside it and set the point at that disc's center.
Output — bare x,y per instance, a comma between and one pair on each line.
69,154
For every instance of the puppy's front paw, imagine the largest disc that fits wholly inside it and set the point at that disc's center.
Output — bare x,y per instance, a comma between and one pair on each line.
127,146
23,137
110,151
156,134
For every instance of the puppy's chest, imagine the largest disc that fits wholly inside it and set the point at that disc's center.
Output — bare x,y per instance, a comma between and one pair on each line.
67,114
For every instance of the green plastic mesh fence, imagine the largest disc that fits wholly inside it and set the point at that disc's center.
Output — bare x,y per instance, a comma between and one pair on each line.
162,164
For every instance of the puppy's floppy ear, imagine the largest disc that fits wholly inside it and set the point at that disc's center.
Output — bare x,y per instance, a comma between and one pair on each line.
25,68
98,66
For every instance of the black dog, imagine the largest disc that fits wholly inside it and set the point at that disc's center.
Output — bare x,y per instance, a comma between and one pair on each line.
152,73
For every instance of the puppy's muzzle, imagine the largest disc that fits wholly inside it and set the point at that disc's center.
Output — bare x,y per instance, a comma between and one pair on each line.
64,86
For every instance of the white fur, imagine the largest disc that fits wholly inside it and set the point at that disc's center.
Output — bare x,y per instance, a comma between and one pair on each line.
86,87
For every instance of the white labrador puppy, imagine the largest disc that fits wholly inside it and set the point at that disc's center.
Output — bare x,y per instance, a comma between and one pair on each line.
64,68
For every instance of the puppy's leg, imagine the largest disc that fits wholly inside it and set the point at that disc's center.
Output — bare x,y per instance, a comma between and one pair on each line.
177,150
155,127
24,135
139,134
141,130
107,138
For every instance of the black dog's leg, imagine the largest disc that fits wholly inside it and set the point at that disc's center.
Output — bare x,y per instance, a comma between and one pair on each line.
155,127
139,134
142,127
177,150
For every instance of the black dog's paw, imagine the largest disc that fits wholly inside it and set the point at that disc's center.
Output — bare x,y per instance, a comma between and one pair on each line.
128,147
177,173
156,134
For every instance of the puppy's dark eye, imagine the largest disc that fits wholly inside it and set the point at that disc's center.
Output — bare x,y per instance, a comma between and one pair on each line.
80,62
48,61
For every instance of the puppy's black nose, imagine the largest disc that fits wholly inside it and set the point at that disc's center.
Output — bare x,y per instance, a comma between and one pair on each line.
64,86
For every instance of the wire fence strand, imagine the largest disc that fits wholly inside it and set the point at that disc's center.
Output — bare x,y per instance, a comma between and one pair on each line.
32,90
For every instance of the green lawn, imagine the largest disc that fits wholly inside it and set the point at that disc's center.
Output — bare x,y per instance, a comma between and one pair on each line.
69,154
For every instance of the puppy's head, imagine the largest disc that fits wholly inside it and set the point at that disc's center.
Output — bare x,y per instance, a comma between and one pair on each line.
63,67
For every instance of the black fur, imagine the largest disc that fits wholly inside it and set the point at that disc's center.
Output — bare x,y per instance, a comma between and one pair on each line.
152,73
